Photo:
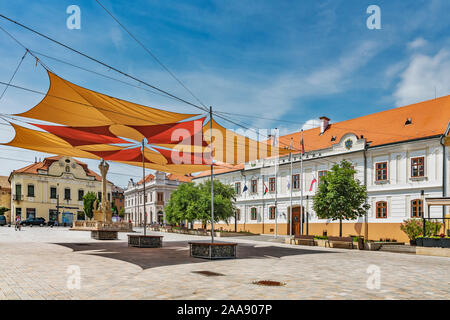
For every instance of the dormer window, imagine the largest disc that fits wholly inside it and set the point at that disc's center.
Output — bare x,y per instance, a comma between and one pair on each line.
333,138
408,121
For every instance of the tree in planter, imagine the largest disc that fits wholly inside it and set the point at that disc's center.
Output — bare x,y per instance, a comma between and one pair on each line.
340,196
180,204
88,204
412,227
122,213
193,202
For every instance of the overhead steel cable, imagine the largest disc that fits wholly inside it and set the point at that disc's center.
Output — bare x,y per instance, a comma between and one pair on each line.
13,75
151,54
102,63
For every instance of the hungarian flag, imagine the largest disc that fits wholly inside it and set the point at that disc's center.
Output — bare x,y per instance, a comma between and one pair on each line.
265,189
314,180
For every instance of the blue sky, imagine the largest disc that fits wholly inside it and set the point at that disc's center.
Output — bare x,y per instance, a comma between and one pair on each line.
289,60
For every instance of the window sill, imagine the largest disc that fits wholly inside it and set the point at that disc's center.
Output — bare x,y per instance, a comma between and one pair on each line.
418,178
382,182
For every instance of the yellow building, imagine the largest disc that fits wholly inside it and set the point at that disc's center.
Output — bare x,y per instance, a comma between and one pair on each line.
53,189
5,196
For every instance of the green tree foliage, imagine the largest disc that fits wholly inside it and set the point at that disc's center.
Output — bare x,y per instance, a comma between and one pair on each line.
193,202
340,196
3,210
88,204
122,212
114,209
414,228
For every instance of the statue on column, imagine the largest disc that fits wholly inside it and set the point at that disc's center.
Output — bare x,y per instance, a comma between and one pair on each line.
106,211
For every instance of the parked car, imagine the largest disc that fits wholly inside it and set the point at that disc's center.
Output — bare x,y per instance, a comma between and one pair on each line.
3,221
33,222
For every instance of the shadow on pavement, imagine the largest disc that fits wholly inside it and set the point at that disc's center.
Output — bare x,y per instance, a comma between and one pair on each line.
176,252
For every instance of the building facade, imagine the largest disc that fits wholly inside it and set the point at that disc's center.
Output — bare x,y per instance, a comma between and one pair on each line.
118,198
398,154
158,189
53,189
5,196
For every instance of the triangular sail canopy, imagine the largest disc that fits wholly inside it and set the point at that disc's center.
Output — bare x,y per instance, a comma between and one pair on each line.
233,148
94,125
69,104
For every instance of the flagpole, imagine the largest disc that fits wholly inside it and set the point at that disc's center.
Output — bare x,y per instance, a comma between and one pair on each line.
291,186
302,182
212,175
143,175
276,187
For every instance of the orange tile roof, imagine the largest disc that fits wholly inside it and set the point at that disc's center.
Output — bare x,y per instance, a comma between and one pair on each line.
429,118
180,178
148,178
45,164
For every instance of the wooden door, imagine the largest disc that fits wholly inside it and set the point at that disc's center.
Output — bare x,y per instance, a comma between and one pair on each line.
296,220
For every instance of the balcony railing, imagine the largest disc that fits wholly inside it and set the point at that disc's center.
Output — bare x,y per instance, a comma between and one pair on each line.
160,203
17,197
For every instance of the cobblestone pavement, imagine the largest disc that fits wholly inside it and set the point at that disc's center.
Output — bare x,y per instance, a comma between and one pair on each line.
35,263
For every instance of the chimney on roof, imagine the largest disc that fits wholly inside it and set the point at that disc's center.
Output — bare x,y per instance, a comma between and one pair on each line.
324,123
35,159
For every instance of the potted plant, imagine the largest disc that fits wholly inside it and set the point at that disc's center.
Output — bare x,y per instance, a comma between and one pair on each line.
412,228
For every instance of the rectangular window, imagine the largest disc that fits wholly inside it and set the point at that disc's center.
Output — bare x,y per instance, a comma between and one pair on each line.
381,208
272,213
416,208
80,195
296,181
322,174
31,190
160,196
109,196
99,196
417,167
66,194
237,188
272,184
381,172
52,192
254,186
18,191
238,214
254,214
31,213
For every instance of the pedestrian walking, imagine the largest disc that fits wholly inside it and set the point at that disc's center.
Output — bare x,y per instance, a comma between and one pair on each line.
18,226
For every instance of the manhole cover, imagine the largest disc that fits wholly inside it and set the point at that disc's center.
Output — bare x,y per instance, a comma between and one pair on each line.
269,283
208,273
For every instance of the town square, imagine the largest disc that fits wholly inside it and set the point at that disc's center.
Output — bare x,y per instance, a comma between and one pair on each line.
225,151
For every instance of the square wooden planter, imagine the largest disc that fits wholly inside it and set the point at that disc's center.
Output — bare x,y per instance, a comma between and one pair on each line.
213,250
104,235
141,241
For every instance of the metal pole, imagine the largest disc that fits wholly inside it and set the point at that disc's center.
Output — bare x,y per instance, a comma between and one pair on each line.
292,185
276,186
212,175
143,177
302,211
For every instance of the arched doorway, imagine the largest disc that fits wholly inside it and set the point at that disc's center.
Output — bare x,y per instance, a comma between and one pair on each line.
297,219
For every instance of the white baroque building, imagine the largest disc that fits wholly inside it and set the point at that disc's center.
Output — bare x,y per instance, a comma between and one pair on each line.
158,188
398,154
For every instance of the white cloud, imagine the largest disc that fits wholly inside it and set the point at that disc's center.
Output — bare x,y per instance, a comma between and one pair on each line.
423,75
312,123
417,43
